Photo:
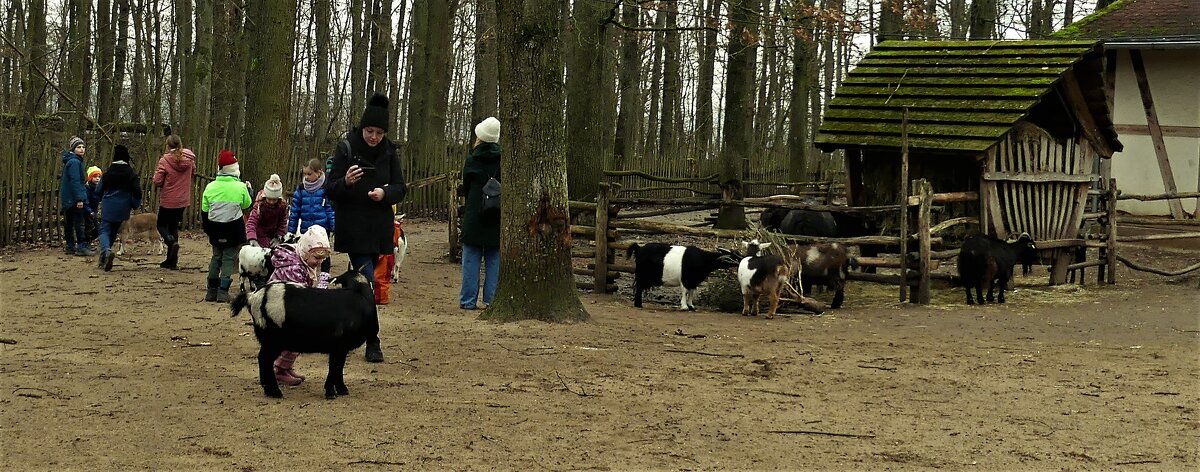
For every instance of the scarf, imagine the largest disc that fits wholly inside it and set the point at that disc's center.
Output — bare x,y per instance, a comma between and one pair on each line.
313,186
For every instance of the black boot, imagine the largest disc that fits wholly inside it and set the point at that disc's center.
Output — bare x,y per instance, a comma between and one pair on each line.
211,294
223,291
374,354
172,257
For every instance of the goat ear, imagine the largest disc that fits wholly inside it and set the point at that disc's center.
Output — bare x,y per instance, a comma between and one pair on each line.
764,245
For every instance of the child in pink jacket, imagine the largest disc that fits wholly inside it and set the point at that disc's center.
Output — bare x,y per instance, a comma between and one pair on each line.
299,263
268,219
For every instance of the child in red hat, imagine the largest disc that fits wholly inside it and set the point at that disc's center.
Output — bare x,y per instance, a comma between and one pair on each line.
222,206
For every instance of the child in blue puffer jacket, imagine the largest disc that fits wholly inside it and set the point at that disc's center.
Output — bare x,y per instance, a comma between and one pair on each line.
309,205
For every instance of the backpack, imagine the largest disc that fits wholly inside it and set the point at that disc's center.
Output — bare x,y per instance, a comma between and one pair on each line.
491,196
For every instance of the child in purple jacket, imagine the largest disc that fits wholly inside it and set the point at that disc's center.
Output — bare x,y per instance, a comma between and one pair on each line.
299,263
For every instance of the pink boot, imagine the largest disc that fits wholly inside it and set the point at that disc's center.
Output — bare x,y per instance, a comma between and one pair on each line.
283,367
285,377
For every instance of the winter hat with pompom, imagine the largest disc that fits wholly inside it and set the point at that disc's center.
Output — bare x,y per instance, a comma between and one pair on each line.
376,112
273,188
314,238
75,142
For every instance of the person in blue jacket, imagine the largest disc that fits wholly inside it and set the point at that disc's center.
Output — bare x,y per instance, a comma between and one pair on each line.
72,198
121,193
310,206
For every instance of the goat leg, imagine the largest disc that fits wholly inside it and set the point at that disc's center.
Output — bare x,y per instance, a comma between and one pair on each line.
1003,287
774,303
637,296
335,384
838,297
266,372
746,304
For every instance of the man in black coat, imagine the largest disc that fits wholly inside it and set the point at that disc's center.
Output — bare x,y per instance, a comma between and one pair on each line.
364,182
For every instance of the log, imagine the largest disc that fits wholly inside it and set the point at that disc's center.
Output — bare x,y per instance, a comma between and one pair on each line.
944,198
1085,264
581,206
950,223
1152,270
1110,231
665,211
1159,237
1093,216
587,286
628,269
611,276
583,253
892,262
668,228
750,202
924,264
1134,220
601,252
670,187
1058,243
673,180
1158,196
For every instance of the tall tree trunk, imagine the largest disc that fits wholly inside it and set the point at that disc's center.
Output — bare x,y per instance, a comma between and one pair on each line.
629,117
803,49
321,16
226,40
931,29
241,79
649,146
958,19
1068,12
982,20
890,18
704,86
762,109
591,113
358,60
396,88
430,85
668,147
14,30
381,45
121,20
196,122
35,87
140,83
535,244
105,46
738,129
271,31
485,98
77,85
183,65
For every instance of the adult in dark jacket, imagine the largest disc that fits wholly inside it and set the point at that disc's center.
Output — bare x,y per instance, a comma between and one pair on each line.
121,193
72,198
364,182
480,234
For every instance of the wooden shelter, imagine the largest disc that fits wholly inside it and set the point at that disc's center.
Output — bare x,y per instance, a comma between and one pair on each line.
1023,123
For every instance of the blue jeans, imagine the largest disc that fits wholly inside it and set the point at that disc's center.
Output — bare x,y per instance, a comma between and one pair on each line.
108,232
471,256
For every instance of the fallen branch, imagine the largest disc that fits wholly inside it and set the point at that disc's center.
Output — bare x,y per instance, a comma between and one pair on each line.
88,292
823,433
1152,270
889,369
31,395
1165,393
374,462
8,341
702,353
194,436
581,392
773,392
8,269
1147,461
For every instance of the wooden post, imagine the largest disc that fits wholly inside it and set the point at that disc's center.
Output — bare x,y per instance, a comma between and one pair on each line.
1111,230
904,205
601,269
1160,148
923,237
452,211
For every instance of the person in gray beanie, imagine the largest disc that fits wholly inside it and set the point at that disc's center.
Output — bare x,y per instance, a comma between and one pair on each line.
72,195
363,182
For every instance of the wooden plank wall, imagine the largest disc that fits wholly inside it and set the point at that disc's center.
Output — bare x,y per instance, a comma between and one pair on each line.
1033,183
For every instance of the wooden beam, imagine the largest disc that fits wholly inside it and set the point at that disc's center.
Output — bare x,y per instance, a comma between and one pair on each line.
1160,147
654,178
1110,231
1087,124
1169,131
904,201
923,243
1040,177
1159,237
601,255
945,225
1057,243
1134,220
1159,196
948,197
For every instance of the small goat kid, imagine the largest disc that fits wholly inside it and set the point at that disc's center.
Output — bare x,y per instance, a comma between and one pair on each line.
289,317
141,225
759,275
826,263
401,250
675,266
988,260
254,266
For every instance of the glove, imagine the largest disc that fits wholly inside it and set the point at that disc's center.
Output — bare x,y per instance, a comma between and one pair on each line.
289,237
253,243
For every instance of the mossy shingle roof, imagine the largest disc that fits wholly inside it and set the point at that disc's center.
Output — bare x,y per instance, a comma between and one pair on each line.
962,96
1124,20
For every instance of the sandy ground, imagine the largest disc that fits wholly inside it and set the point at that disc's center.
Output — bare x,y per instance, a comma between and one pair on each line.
130,370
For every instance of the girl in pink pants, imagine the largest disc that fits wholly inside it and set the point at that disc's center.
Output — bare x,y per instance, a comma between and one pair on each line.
299,263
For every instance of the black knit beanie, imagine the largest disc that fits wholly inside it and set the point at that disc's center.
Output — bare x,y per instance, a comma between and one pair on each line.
376,112
121,153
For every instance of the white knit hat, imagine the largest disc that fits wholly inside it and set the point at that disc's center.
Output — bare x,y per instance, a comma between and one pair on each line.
273,188
314,238
488,130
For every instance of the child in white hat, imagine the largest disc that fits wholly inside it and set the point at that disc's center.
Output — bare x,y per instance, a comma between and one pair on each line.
268,220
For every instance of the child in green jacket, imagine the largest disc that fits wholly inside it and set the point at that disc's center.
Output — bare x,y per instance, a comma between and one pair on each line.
222,208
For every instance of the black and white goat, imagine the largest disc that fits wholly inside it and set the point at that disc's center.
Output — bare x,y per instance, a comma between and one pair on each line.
675,266
289,317
761,274
254,266
988,260
828,264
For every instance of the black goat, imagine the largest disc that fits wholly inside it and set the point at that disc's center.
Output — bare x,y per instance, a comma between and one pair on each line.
988,260
289,317
675,266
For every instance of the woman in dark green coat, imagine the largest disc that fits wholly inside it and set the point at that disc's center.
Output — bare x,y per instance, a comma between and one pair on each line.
480,233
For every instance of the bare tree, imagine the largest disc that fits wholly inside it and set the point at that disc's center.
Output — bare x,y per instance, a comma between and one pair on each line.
672,84
738,129
535,246
271,32
591,104
803,50
704,87
982,20
629,117
196,121
486,98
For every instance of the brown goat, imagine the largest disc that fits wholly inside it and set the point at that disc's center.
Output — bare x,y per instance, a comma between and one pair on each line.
827,263
760,275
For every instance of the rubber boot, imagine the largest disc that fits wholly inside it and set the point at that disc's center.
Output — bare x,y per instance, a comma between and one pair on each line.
223,291
211,294
108,261
172,260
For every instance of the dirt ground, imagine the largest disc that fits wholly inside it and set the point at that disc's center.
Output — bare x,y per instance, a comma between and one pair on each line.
130,370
